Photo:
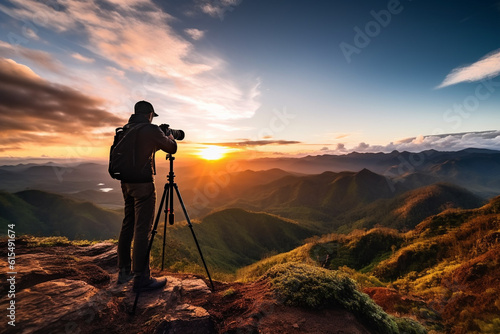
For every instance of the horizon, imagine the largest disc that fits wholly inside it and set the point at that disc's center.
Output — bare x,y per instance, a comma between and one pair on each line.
65,162
329,78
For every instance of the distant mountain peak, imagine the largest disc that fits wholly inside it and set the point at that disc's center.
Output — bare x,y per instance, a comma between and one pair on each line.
366,173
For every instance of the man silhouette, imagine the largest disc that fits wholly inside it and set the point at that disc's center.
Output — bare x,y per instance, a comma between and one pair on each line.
139,195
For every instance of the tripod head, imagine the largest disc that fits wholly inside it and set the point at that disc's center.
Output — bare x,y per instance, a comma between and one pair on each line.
170,157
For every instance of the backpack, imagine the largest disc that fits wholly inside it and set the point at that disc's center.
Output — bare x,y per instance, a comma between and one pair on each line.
122,162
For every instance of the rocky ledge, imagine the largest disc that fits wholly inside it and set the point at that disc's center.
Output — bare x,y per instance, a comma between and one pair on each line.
72,289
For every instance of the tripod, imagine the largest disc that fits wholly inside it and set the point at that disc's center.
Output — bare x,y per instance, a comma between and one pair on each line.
168,199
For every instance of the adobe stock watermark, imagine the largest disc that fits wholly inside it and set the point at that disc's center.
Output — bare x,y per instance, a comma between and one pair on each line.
460,111
454,117
364,35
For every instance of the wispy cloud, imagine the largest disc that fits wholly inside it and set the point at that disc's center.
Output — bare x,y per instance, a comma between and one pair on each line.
342,135
486,67
116,72
247,143
217,8
82,58
40,58
195,34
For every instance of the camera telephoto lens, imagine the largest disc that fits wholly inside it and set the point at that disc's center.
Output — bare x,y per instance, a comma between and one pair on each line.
177,134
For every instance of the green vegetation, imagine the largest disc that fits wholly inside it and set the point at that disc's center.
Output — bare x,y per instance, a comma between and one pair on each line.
450,261
39,213
53,241
297,284
229,239
256,270
346,201
32,241
228,292
364,280
407,210
358,250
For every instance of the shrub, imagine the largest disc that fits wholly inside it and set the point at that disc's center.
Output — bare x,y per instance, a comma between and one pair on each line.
409,326
364,280
489,327
228,292
302,285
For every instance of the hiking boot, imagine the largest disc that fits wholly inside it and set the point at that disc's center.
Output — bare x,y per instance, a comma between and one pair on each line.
124,275
150,283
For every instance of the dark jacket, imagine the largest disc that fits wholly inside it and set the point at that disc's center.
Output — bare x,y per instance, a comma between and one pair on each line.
150,139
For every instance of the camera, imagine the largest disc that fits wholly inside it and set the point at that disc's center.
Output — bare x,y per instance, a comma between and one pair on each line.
177,134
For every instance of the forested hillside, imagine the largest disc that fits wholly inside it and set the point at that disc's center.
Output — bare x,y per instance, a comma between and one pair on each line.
44,214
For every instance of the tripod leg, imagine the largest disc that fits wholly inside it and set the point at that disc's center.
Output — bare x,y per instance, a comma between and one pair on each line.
165,200
150,245
192,232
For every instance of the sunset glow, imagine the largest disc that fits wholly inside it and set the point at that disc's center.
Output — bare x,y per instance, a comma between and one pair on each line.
315,86
212,152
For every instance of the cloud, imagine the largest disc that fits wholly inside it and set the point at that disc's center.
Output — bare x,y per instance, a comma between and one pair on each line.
217,8
137,36
246,143
342,135
340,147
486,67
442,142
82,58
40,58
116,72
39,112
30,33
195,34
362,147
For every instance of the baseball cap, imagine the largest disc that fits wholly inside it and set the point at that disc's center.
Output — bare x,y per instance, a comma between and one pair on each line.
144,107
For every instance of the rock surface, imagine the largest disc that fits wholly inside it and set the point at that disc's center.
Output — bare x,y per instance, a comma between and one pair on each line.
72,289
56,306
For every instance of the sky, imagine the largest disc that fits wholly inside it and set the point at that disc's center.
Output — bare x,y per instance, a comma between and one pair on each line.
250,77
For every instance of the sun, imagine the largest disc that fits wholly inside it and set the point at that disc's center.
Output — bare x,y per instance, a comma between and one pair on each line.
212,153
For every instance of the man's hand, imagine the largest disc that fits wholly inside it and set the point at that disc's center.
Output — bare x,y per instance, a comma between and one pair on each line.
171,137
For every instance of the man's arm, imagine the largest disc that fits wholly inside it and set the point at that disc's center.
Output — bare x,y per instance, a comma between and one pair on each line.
162,142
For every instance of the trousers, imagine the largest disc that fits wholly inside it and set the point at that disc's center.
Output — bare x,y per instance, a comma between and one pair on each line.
140,200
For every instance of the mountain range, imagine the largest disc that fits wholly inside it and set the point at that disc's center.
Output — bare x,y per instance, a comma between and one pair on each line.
444,272
474,169
331,201
417,231
207,186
